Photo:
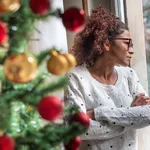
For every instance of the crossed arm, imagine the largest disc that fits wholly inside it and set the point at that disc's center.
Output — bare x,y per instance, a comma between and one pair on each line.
140,100
106,123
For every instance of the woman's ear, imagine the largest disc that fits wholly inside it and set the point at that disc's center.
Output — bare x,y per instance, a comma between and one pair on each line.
106,45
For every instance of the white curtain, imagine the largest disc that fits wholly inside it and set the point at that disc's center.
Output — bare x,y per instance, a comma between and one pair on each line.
52,32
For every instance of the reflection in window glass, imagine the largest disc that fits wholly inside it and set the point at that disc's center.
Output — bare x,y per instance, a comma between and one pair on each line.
119,8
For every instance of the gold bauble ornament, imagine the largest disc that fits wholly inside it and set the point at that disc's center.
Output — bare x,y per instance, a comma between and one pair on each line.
20,68
57,64
1,132
71,61
9,5
3,50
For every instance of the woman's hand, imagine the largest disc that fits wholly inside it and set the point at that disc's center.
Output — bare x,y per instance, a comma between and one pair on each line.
140,100
90,114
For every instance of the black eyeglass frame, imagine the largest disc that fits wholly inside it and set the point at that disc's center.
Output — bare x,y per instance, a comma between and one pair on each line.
130,44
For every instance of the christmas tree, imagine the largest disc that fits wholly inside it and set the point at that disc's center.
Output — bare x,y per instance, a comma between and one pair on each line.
28,111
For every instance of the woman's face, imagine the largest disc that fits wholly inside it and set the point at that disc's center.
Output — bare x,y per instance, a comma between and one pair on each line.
121,48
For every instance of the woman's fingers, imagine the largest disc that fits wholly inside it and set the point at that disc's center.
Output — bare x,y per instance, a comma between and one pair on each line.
144,100
141,99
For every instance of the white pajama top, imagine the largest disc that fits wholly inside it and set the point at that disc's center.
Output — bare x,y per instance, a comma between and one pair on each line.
116,121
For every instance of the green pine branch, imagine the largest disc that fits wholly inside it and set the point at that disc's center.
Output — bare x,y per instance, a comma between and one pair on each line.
50,136
19,117
21,25
32,94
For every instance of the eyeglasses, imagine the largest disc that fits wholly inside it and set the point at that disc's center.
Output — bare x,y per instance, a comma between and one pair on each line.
130,44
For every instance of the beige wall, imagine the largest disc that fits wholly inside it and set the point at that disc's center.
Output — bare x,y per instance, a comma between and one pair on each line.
136,27
135,22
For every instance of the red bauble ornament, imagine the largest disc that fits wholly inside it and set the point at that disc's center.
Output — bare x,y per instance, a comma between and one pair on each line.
50,108
3,32
74,144
40,7
73,19
6,143
82,118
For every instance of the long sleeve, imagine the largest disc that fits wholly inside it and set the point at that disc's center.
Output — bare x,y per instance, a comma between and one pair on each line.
116,121
134,83
98,129
133,117
102,130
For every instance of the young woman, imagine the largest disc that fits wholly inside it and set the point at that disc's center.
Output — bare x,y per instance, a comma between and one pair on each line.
103,86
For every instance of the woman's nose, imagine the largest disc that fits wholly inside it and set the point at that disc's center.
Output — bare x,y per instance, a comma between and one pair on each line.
131,51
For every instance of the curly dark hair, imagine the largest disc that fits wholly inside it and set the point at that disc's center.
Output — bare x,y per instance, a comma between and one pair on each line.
101,25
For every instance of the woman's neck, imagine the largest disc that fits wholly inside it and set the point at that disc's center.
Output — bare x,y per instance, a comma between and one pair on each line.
104,72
